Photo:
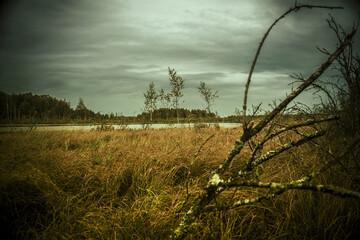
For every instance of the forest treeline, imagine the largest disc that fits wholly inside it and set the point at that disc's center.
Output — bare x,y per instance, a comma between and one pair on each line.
40,108
32,108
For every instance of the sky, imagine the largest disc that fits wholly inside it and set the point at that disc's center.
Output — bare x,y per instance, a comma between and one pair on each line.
108,52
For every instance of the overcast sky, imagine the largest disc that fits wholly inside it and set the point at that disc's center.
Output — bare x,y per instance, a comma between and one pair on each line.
107,52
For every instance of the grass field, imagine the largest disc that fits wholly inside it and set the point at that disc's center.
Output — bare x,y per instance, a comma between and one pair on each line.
130,184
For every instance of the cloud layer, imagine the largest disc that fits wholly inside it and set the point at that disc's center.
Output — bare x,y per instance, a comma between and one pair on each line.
108,52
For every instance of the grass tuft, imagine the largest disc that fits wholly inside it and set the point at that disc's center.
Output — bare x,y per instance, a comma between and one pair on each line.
131,184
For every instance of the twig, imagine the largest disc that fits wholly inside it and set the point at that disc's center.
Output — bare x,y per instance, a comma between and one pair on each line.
305,179
202,145
260,145
303,86
295,8
253,163
334,190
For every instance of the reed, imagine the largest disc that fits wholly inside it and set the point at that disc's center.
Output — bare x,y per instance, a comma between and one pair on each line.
132,184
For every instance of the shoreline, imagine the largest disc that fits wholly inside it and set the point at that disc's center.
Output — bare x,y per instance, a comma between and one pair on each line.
109,127
99,124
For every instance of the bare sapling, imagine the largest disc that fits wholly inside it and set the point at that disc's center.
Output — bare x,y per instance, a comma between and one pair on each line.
177,84
209,96
151,98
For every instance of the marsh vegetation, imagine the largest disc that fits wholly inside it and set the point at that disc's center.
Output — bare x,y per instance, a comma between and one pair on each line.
132,184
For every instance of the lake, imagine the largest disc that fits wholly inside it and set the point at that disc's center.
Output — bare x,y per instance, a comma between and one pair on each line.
93,127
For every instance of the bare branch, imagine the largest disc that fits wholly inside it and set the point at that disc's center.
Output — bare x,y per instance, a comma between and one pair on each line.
295,9
303,124
216,184
269,136
252,163
303,86
241,202
305,179
287,146
334,190
210,191
202,145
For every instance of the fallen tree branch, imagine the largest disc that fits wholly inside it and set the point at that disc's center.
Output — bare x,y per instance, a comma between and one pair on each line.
269,136
213,188
285,147
252,163
305,179
334,190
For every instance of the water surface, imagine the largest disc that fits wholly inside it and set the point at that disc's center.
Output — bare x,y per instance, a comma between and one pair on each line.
93,127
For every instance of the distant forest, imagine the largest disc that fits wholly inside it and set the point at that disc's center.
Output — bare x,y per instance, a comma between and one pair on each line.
31,108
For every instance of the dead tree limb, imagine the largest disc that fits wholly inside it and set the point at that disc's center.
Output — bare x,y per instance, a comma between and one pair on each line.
302,180
269,136
216,184
293,9
334,190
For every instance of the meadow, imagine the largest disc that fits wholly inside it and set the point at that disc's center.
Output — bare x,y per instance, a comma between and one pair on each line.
134,184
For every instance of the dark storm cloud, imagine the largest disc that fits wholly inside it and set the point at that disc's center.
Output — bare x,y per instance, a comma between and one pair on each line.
109,51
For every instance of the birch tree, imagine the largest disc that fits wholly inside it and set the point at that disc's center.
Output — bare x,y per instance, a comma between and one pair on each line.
164,98
150,100
208,95
177,84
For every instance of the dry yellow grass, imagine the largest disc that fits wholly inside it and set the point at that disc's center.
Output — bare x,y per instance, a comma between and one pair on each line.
130,184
